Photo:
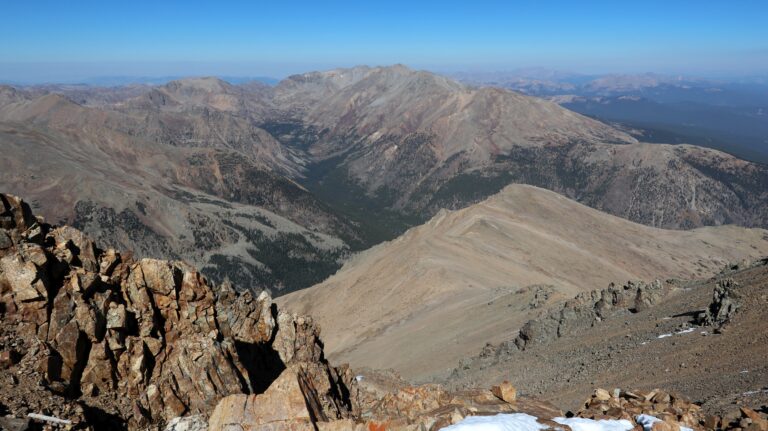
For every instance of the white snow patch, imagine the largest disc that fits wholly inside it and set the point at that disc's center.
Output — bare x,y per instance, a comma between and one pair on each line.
764,391
684,331
526,422
582,424
500,422
647,422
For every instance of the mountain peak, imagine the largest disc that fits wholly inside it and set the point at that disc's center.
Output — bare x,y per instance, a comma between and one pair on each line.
207,83
396,68
346,77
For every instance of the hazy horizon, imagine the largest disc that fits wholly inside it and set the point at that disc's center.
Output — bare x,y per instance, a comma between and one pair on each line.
71,42
111,74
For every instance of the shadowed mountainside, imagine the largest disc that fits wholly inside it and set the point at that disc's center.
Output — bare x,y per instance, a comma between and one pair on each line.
235,214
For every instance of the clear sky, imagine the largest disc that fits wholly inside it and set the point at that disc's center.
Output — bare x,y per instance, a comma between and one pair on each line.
64,40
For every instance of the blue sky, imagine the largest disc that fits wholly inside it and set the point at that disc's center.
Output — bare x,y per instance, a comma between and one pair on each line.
69,40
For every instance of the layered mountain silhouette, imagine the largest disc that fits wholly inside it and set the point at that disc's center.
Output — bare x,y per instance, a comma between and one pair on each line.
274,186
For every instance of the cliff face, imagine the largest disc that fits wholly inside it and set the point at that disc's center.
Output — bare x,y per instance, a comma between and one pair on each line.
134,342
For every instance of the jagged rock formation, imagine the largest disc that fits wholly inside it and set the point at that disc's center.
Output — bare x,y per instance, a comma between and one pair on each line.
151,334
588,308
291,402
725,303
579,314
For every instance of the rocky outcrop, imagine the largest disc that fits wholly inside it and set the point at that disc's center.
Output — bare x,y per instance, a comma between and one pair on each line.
292,402
96,325
432,407
670,411
658,410
586,309
725,302
283,403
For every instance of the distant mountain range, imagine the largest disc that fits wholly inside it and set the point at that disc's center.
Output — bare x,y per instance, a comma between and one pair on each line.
730,115
274,186
119,81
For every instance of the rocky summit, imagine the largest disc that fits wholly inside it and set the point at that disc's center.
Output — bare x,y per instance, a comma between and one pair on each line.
214,219
95,339
106,341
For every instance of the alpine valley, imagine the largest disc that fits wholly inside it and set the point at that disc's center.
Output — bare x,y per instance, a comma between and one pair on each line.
273,187
472,254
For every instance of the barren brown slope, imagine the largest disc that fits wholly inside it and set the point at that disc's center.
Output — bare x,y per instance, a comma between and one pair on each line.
416,142
380,102
444,289
167,189
659,347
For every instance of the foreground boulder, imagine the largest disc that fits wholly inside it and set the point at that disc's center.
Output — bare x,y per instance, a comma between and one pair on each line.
138,342
289,403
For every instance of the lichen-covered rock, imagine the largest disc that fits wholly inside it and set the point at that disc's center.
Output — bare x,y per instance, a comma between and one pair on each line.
725,302
187,423
586,309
